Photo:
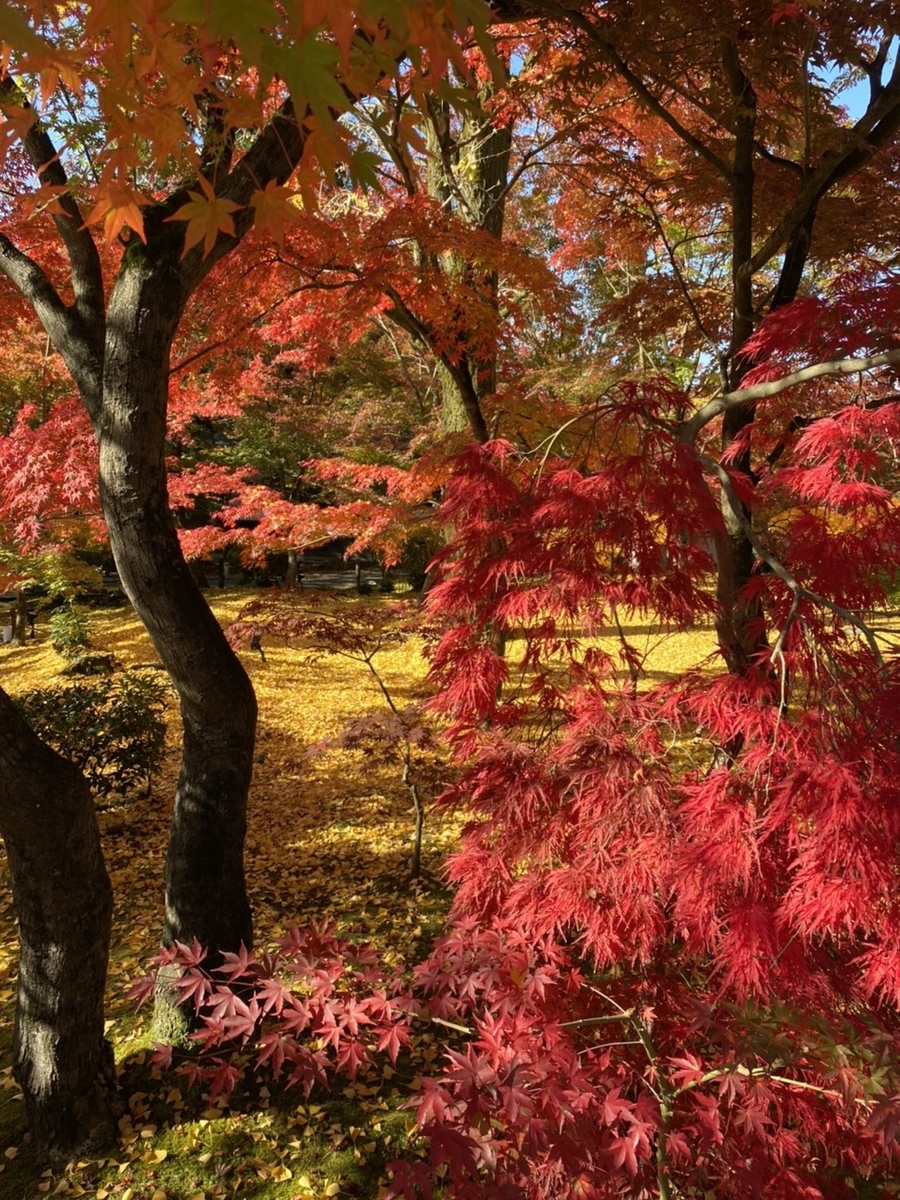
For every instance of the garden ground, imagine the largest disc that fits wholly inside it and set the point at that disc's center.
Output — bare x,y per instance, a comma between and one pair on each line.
329,836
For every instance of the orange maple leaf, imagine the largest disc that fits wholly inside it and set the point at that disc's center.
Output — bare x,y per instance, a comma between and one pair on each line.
117,208
17,121
207,216
274,207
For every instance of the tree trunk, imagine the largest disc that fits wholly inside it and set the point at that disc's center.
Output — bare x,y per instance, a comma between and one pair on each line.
482,187
20,619
292,574
63,903
740,628
198,574
206,895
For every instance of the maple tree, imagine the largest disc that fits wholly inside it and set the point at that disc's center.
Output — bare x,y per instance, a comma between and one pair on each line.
660,881
177,132
661,884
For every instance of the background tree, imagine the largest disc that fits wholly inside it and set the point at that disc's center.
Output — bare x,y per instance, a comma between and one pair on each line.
724,133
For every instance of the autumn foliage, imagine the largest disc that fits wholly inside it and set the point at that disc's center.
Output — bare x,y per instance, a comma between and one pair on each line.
672,966
674,963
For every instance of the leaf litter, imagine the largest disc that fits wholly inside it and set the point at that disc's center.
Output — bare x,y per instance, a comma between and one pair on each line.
329,835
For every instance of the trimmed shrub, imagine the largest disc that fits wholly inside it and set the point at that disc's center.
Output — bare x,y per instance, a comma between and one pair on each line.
69,631
111,728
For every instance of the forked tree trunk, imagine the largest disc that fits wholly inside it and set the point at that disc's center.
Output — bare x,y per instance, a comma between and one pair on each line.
206,896
118,356
63,902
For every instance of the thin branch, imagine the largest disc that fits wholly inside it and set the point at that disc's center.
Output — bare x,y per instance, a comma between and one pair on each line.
874,68
871,132
807,97
459,371
679,276
211,347
653,103
80,351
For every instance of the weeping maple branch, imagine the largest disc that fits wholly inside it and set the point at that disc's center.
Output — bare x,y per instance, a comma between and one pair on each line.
688,430
778,568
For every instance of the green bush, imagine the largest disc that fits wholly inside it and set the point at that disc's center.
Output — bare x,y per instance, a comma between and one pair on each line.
68,630
112,728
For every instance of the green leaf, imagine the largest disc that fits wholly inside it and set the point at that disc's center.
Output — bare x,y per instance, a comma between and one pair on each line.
224,20
17,34
364,166
310,70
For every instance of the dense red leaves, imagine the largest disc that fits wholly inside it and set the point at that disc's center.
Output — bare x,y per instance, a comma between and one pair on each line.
306,1009
728,894
675,949
48,476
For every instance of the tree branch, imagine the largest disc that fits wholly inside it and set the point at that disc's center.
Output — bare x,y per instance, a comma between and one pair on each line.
688,430
81,350
273,157
459,371
877,124
655,105
84,260
778,568
211,347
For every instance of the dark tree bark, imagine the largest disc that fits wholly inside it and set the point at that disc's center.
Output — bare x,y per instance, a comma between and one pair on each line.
63,903
118,356
293,576
741,633
206,895
20,619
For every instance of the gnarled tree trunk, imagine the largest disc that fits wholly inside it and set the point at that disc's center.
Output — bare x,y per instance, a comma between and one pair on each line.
63,903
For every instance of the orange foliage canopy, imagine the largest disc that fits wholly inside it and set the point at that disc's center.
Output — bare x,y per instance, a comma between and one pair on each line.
131,82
